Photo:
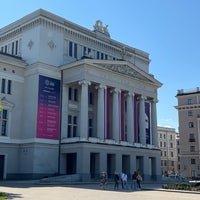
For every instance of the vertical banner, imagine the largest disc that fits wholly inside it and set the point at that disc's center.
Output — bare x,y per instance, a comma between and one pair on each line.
48,117
147,122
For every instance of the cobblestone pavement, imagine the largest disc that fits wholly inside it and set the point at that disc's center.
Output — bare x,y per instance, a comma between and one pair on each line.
32,191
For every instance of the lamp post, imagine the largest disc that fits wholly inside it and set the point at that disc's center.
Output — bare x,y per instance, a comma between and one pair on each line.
60,125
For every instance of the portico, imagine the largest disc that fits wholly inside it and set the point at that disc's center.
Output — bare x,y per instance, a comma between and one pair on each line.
123,117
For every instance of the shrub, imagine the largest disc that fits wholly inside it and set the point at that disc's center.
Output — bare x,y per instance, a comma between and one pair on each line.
2,196
181,186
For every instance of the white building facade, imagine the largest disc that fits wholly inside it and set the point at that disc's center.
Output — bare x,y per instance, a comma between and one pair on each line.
74,101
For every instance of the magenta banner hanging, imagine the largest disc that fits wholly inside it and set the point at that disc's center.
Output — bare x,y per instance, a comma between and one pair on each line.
48,115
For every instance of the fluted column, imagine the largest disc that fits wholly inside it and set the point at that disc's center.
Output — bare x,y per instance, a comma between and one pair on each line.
100,112
84,109
130,118
154,123
142,126
115,115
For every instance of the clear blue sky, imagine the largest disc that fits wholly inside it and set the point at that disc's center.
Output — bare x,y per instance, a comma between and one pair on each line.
169,30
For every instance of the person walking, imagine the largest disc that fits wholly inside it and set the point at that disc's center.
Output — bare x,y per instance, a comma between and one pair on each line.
103,180
116,180
125,181
133,180
139,179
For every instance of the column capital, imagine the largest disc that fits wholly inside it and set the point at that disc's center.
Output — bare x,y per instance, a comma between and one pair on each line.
100,86
84,82
116,90
130,94
141,98
155,100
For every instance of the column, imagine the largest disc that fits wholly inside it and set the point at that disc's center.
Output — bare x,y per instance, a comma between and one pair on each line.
84,109
115,115
142,130
100,112
130,118
154,123
64,111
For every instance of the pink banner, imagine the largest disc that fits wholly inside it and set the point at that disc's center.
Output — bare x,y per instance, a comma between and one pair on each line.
48,116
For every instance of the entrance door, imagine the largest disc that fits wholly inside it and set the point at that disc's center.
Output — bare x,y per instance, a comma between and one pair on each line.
2,159
71,163
111,165
126,164
94,165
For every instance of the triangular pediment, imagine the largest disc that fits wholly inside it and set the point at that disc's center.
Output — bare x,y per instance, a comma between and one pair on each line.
128,69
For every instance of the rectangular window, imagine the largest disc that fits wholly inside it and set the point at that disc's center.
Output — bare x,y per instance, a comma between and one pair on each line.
4,122
75,94
193,161
3,85
90,126
13,47
70,94
172,154
70,49
75,50
69,129
9,87
6,48
190,113
192,148
84,51
102,56
98,55
191,124
74,126
91,98
160,144
190,101
171,145
191,137
16,47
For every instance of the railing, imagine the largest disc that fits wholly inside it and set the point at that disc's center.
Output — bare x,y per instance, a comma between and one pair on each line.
185,91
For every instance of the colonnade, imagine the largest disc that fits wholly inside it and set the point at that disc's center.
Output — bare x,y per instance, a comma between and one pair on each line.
116,115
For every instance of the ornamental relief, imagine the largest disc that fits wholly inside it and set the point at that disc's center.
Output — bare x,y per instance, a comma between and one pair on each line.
125,69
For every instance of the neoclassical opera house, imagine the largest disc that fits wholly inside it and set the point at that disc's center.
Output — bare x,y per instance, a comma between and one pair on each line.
74,101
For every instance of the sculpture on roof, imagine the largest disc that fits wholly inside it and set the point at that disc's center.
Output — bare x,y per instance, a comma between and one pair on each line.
98,27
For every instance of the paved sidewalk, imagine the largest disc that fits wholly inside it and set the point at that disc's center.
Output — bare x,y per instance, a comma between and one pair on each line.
34,191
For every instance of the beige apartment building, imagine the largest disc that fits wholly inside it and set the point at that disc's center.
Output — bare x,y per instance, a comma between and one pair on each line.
189,128
168,146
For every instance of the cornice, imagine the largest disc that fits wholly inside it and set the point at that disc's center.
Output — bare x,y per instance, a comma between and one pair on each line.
12,61
47,18
188,107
